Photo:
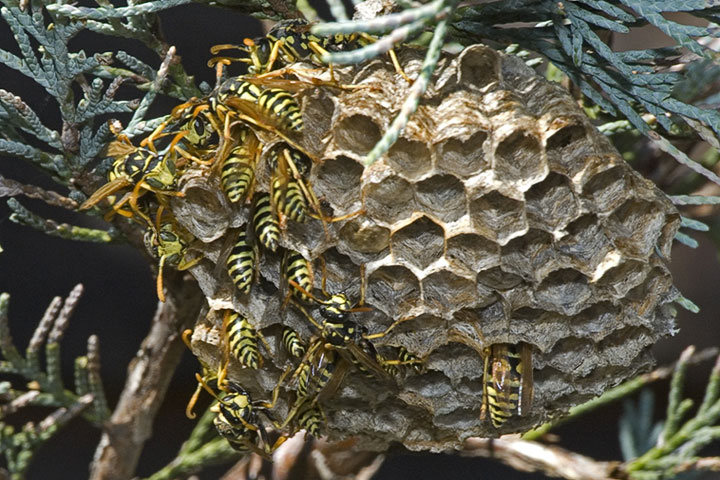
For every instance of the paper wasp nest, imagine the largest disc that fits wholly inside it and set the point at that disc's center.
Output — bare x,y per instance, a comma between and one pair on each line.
500,216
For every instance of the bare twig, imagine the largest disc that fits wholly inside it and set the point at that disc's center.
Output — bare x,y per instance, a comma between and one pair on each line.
532,456
10,188
148,378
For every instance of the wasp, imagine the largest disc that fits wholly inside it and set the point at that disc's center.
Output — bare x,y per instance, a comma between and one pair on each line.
140,168
237,419
290,41
292,342
339,333
241,341
195,131
288,188
241,263
265,224
352,341
507,382
297,273
310,418
404,358
318,377
274,105
316,370
238,169
167,243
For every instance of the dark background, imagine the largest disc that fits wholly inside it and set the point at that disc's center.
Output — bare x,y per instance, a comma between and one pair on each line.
119,298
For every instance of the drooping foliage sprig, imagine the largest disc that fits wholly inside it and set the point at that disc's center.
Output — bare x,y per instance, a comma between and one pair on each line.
664,450
45,386
67,151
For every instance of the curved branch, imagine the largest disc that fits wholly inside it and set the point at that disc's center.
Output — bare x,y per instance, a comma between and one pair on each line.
549,459
148,378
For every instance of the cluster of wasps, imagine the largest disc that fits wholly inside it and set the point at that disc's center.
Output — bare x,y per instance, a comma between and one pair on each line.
222,134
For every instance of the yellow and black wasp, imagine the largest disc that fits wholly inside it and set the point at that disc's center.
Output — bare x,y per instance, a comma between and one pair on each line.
352,341
238,169
297,275
273,106
341,334
241,342
290,41
310,417
194,129
237,419
316,370
317,378
507,382
238,416
265,224
241,263
293,343
168,243
143,170
288,188
404,359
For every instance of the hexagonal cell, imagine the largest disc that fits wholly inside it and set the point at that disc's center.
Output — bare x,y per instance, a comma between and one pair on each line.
586,245
567,146
491,320
462,158
623,277
565,291
419,244
394,290
203,210
338,180
537,327
623,345
364,236
607,190
519,159
498,279
409,158
472,252
341,274
442,195
390,200
498,217
567,139
357,134
644,298
309,234
531,256
479,66
574,356
420,335
637,225
446,292
597,321
552,204
318,109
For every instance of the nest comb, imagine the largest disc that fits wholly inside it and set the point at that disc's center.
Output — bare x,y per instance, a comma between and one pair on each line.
501,215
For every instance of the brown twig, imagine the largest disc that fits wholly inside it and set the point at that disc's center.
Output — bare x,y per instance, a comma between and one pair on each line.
549,459
148,378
